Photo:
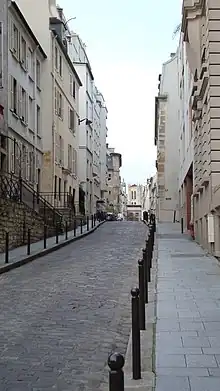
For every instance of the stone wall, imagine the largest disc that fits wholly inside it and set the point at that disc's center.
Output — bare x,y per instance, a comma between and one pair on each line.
16,218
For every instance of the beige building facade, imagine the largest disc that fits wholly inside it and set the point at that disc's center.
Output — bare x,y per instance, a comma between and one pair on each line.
167,140
201,33
60,85
114,163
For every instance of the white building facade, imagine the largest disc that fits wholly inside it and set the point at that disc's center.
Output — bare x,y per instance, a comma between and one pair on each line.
185,83
24,105
167,140
93,130
135,202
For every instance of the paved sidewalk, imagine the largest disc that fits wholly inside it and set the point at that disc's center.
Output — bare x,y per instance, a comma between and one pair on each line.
188,315
19,255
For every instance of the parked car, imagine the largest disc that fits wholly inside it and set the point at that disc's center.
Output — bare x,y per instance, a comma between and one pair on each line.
120,217
111,217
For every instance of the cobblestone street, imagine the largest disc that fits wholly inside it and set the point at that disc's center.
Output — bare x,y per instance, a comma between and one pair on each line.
63,314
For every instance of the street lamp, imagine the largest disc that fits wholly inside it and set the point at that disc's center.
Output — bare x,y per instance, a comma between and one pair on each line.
68,21
88,121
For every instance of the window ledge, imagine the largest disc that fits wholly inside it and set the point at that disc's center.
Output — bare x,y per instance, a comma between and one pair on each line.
39,88
23,122
31,78
14,114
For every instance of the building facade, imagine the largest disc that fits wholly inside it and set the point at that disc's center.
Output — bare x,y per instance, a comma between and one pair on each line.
186,143
135,202
93,130
21,125
60,85
114,181
167,140
201,34
123,200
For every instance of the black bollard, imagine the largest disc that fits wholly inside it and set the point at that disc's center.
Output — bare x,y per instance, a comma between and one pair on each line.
116,375
57,234
136,338
29,242
81,226
181,225
45,236
148,259
74,227
142,294
87,221
66,230
145,273
6,247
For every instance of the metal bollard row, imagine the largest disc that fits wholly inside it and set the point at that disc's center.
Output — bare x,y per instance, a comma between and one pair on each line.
139,297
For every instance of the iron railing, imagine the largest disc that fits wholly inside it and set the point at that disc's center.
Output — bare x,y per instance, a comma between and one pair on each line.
15,188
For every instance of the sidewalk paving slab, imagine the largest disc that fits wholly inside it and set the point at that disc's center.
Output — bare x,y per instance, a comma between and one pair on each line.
19,257
188,314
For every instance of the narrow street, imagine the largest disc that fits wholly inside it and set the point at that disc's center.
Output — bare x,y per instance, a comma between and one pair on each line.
61,315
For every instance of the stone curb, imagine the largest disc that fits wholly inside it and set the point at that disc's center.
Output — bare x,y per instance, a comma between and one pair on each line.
14,265
147,383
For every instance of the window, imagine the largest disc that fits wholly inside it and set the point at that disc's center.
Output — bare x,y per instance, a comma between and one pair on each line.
30,114
134,195
72,120
38,121
69,157
60,66
55,186
61,151
59,105
24,161
30,63
1,54
74,161
14,95
23,53
23,105
15,40
38,73
72,86
31,165
56,58
59,188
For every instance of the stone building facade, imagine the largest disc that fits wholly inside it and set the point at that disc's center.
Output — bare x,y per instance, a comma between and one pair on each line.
201,34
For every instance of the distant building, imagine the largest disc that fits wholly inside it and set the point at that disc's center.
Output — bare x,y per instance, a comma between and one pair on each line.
167,125
135,202
114,163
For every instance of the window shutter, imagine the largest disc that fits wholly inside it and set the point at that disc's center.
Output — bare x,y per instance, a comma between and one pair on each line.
62,151
69,118
57,148
55,99
75,162
11,26
26,107
19,100
71,85
12,92
62,106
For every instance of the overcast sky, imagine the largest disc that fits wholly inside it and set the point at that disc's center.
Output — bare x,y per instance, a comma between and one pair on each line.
127,42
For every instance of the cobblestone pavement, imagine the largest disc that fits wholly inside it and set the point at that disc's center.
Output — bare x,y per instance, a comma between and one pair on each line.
61,315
